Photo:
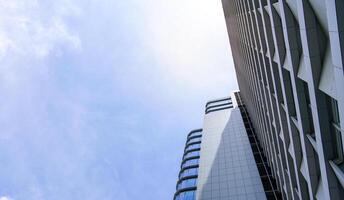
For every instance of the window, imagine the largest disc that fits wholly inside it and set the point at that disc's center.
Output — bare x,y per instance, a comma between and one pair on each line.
195,134
289,91
309,110
197,139
191,154
218,102
193,146
335,131
189,172
190,162
188,195
187,183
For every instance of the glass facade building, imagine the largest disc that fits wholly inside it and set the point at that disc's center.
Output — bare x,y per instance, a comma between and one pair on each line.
187,181
281,136
288,57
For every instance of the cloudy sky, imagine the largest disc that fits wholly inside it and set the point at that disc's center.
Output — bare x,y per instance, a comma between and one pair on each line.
97,96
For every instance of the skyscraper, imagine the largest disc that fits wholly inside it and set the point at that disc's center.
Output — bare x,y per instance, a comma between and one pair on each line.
223,160
288,57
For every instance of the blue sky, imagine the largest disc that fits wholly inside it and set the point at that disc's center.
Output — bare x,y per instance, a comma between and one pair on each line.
97,96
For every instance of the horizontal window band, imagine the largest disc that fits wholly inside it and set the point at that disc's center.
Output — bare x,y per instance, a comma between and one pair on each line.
185,190
218,100
188,167
228,105
190,158
220,105
182,175
186,178
190,150
187,145
214,110
192,137
195,131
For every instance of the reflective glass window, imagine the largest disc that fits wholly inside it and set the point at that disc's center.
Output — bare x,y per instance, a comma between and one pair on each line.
197,139
220,102
309,110
195,133
187,183
189,172
190,162
188,195
220,106
191,154
336,131
193,146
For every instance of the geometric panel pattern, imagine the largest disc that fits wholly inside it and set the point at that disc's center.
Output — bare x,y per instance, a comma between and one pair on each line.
288,56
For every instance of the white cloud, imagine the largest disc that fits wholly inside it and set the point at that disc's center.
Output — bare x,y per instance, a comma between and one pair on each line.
29,28
53,120
5,44
5,198
31,32
190,40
